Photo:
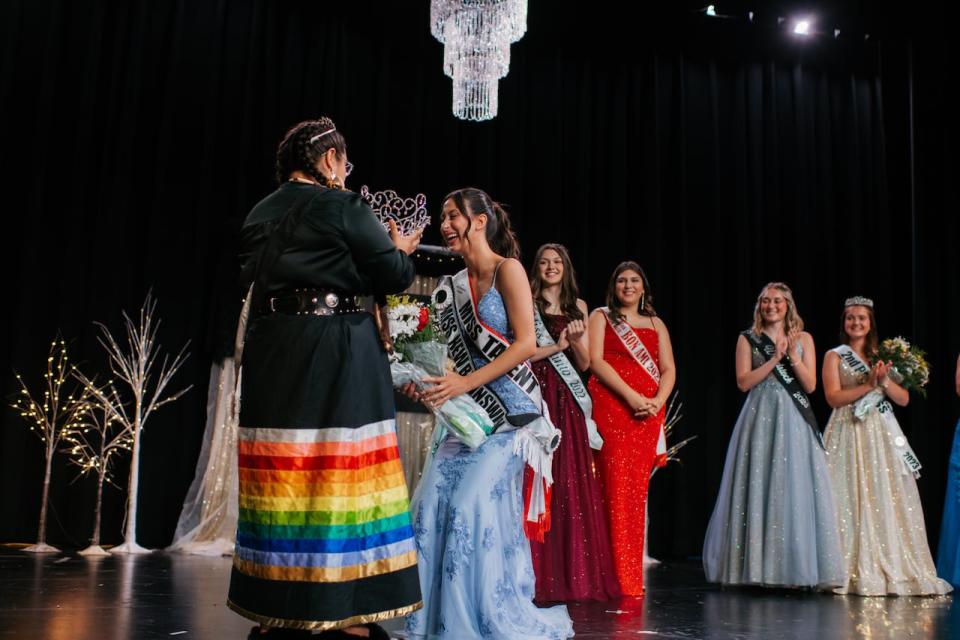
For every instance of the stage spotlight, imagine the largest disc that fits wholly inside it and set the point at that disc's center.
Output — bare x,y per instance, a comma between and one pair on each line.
836,33
750,16
802,27
711,11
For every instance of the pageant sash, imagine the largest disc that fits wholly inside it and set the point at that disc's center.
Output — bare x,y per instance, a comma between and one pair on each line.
765,347
875,398
536,440
464,314
571,378
635,347
459,352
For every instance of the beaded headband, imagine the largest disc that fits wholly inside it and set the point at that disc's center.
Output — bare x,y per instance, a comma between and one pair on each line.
320,135
858,301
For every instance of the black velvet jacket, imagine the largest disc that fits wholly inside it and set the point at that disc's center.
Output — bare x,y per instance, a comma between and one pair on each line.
339,245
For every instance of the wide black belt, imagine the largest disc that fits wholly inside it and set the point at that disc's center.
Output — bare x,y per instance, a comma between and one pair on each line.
317,302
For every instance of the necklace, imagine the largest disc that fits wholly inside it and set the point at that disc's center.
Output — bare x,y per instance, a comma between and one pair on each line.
302,181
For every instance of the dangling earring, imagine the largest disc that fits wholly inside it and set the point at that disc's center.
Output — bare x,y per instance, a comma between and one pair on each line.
332,181
643,298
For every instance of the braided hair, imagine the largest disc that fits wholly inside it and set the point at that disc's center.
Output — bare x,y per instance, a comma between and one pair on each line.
472,202
297,153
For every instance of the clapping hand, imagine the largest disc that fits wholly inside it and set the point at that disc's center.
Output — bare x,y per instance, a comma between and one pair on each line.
874,374
883,370
576,330
783,348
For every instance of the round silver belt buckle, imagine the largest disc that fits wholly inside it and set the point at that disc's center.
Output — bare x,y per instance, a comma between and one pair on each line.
331,300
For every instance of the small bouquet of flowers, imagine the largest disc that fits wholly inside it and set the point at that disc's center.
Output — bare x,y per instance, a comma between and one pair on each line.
909,369
418,353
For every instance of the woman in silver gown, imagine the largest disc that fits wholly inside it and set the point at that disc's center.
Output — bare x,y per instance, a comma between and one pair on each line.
774,522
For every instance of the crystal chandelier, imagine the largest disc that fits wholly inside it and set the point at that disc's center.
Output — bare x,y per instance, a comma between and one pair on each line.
476,37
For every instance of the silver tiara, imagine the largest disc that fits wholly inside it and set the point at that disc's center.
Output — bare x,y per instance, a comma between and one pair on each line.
320,135
858,301
410,214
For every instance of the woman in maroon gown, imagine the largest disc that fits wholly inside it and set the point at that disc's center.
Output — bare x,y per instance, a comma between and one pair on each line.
632,362
575,561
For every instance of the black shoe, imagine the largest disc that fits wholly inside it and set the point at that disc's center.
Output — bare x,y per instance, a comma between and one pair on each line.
376,633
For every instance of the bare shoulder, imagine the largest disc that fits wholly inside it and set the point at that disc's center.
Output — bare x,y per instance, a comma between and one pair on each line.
511,274
659,324
597,317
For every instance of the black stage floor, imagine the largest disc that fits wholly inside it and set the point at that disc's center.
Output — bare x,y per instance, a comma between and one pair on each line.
182,597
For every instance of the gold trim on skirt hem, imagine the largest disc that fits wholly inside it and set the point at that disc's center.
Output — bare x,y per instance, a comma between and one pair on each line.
326,574
323,625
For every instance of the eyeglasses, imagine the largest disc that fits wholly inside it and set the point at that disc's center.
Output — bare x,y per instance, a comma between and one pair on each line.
349,169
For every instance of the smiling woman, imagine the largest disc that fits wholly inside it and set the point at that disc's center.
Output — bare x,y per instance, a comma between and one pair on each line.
774,523
632,361
473,506
878,505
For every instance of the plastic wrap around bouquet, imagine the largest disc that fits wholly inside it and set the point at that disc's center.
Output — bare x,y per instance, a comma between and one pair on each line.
909,370
419,353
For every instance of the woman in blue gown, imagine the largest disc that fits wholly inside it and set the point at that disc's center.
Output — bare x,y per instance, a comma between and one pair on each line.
470,510
948,553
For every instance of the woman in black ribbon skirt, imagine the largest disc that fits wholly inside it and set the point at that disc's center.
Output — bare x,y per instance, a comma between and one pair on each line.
324,540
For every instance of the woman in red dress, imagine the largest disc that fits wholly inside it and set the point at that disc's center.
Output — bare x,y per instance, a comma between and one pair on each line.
632,361
575,561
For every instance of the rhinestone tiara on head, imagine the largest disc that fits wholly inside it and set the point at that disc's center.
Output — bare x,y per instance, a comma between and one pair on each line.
858,301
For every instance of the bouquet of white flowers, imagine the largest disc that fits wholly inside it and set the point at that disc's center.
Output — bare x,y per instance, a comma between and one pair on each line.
909,370
418,353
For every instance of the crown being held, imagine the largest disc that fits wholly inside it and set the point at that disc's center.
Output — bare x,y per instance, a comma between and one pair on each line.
410,214
858,301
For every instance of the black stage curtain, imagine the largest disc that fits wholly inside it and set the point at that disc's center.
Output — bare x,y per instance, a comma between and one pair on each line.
720,155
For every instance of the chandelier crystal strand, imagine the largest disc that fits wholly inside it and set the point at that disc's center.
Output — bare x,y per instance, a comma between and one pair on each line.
477,35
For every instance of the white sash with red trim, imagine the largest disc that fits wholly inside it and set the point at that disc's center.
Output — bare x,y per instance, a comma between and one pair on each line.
875,398
635,347
459,319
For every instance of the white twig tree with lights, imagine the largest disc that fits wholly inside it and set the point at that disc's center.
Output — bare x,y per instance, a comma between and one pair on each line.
93,445
134,366
59,411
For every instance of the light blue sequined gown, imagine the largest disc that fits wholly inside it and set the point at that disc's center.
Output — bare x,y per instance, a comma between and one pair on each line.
474,559
774,523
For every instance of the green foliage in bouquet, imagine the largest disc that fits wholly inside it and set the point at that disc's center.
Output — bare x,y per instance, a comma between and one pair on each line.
911,369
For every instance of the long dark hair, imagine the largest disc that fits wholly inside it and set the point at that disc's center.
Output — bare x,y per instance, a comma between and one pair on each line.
568,284
304,144
471,202
613,302
872,342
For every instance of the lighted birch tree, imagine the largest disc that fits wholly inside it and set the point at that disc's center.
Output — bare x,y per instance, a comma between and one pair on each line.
50,416
134,367
93,444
